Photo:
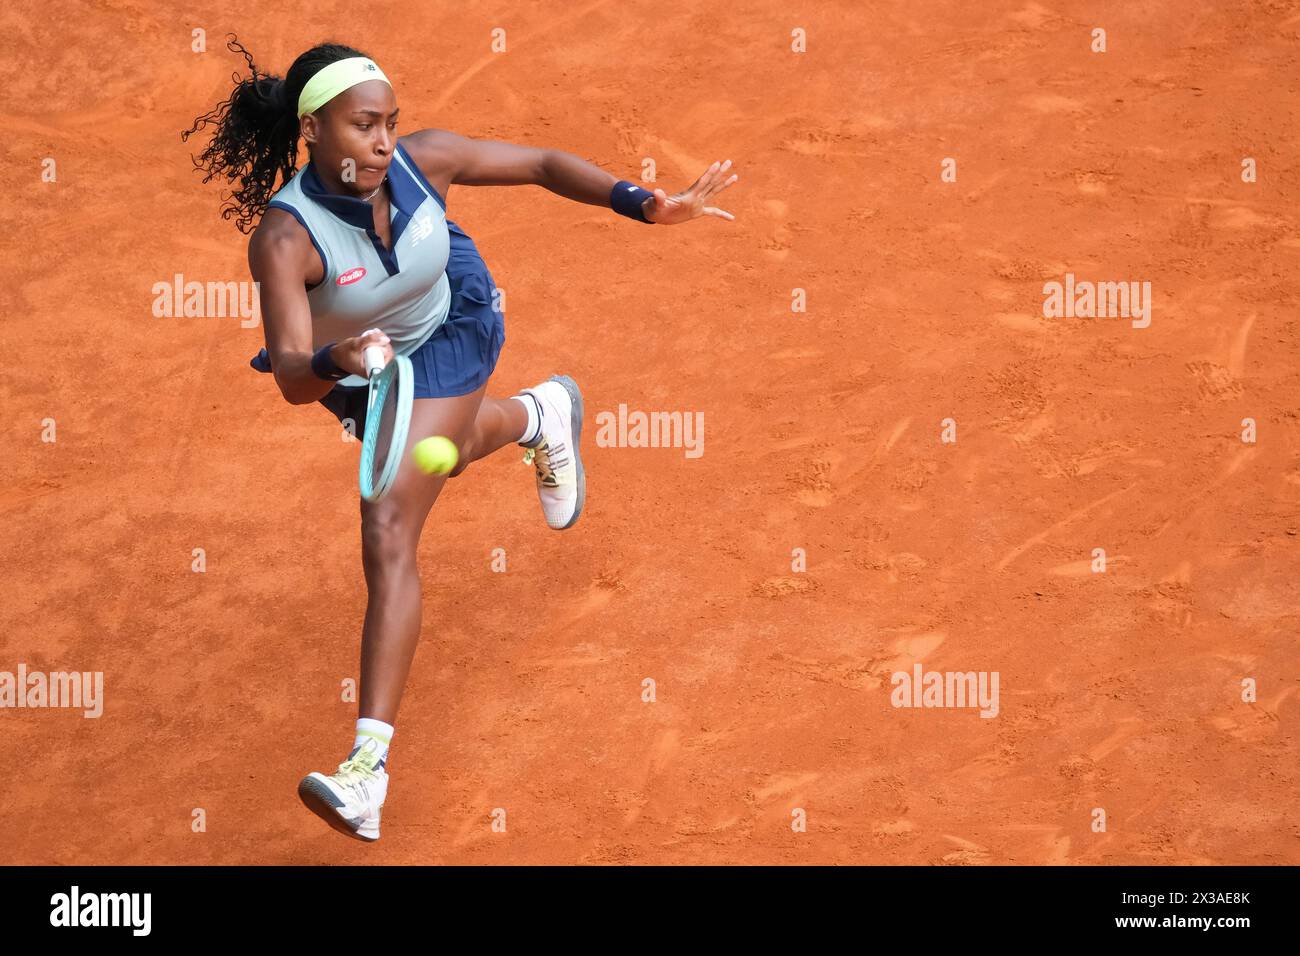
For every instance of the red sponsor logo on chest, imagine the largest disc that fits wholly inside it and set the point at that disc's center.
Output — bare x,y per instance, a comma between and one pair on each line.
352,275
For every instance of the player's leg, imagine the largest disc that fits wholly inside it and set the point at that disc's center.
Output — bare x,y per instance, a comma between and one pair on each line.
500,422
351,799
390,534
547,419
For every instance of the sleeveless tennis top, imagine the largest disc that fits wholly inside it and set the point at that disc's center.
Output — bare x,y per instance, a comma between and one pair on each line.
403,292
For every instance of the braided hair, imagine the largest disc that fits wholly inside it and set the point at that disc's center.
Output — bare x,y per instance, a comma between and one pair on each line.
256,135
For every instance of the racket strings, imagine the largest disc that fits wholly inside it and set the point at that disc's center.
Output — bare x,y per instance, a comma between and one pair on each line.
384,439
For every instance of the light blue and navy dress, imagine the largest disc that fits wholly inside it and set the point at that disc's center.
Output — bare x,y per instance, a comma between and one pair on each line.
432,293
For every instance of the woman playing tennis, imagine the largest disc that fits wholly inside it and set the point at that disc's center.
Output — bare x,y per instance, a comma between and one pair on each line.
353,251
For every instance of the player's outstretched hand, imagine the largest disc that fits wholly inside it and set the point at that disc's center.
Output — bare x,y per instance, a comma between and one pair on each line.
693,202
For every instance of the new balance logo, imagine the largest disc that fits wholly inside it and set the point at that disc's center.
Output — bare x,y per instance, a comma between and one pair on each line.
423,229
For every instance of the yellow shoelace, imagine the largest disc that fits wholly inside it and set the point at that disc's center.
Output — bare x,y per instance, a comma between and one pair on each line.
356,768
540,459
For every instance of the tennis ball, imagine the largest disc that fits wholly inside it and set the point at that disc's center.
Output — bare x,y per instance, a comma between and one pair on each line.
436,455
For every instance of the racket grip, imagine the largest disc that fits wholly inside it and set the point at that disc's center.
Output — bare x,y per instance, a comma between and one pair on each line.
374,359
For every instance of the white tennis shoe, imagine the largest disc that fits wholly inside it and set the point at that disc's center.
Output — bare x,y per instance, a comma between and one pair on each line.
350,800
561,483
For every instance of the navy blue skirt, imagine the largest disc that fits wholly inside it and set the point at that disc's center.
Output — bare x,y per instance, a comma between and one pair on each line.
461,354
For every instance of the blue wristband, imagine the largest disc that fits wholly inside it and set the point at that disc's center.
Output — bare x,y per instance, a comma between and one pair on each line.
626,199
323,365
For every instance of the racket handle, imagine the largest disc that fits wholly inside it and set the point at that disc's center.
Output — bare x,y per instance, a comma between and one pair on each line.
374,359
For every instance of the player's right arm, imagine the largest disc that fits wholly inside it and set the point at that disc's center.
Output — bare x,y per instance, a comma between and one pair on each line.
284,263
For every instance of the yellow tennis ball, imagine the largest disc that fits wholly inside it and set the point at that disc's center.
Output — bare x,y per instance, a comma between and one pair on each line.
436,455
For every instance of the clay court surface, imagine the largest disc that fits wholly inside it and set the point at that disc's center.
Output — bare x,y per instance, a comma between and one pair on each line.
1119,690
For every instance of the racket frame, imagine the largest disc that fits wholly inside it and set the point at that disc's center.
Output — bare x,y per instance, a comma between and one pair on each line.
396,374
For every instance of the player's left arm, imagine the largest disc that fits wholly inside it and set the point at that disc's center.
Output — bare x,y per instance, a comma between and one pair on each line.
447,158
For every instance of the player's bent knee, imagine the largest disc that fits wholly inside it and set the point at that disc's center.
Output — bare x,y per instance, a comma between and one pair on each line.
463,459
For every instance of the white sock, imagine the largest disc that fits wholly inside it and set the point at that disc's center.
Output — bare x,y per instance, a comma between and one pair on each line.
532,431
370,729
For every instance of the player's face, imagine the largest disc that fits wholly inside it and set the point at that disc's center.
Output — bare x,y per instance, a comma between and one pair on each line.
353,136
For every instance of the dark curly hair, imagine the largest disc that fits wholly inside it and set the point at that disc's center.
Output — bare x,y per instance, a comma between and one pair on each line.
257,130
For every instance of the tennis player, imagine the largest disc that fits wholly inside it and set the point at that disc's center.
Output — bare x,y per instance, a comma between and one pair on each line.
354,249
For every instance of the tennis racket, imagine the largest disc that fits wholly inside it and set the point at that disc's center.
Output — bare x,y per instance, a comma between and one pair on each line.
388,419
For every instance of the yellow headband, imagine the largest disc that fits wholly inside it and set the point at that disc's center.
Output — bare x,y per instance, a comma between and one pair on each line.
334,79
